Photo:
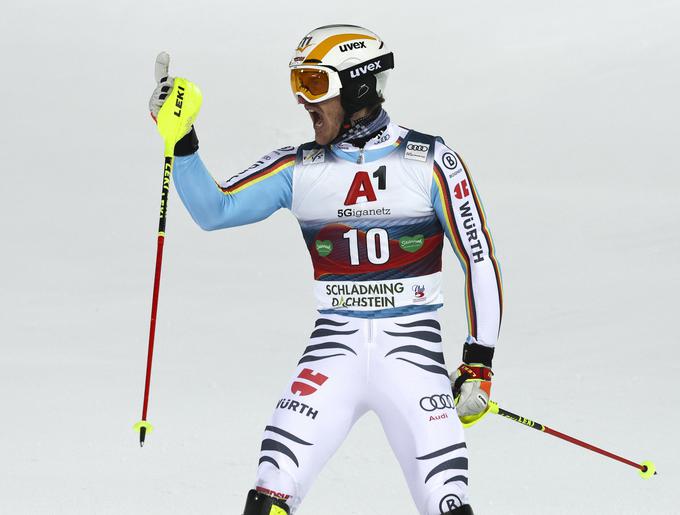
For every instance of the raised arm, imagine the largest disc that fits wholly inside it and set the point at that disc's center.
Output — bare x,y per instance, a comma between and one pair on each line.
247,197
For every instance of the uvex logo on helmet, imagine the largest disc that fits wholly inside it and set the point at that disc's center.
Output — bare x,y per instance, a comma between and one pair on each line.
363,70
352,46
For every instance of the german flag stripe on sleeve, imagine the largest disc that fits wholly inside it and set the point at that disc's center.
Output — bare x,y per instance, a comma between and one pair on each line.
487,236
447,204
274,168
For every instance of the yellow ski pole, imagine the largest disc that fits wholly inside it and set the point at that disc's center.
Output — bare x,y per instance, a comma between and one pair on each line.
646,468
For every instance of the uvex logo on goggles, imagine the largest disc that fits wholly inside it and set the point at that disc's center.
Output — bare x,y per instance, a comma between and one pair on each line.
384,62
371,67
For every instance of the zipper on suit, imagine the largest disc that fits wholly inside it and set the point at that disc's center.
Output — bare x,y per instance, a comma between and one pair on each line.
370,341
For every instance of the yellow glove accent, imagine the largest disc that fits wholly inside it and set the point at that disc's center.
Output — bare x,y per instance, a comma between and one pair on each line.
476,387
179,113
471,420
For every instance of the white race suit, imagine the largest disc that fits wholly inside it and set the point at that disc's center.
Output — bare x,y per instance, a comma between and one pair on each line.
374,221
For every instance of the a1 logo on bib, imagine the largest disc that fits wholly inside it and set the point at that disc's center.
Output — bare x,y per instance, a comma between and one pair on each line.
362,190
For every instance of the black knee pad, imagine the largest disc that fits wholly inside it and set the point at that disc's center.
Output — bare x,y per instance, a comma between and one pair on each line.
461,510
261,504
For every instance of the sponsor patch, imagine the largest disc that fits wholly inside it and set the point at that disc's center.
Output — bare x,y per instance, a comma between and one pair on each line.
304,387
352,46
324,247
381,138
449,503
412,243
449,160
419,293
417,151
272,493
358,213
365,295
471,232
372,295
436,402
313,156
297,407
461,190
304,44
358,71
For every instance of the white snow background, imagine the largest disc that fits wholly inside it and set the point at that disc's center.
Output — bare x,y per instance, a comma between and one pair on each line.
567,115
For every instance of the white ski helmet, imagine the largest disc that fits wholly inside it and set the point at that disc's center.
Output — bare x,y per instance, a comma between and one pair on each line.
344,60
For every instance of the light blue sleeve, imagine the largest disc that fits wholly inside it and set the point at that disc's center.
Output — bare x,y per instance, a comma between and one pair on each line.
245,198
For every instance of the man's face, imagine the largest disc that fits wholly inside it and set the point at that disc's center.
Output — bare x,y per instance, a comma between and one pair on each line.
327,118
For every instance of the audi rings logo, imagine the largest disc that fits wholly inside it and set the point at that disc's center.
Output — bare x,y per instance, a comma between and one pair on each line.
435,402
417,147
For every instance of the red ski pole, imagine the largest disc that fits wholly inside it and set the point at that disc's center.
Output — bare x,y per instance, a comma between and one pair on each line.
143,425
646,468
174,121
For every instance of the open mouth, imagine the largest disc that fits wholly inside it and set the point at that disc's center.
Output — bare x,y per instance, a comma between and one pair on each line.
317,119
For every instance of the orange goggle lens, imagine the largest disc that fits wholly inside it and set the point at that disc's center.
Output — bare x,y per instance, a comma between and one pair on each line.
311,83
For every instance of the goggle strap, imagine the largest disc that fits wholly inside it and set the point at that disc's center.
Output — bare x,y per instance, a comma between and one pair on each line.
380,64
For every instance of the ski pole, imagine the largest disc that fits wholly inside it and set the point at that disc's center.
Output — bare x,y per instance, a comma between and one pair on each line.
646,468
174,120
143,425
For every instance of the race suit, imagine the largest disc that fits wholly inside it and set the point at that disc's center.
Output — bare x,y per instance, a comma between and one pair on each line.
373,220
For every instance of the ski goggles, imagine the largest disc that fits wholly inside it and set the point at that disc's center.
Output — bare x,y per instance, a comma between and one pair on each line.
314,83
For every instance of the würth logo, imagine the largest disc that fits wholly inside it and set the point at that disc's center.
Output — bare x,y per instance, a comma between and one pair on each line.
304,388
461,189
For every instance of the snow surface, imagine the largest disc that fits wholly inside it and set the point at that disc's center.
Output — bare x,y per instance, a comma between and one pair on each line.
566,112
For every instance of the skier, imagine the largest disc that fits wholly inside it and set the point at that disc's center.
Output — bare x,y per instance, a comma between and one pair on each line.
374,201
